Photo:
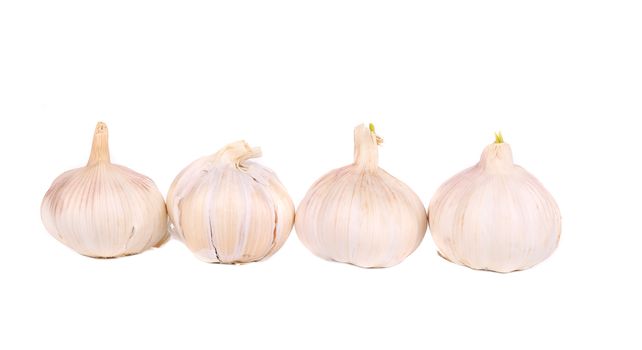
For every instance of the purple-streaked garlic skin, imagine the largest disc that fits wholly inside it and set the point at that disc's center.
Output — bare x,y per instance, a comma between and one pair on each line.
495,215
104,210
228,209
359,214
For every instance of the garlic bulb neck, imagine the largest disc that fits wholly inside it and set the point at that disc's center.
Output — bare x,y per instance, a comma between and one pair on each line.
497,157
237,153
100,146
366,154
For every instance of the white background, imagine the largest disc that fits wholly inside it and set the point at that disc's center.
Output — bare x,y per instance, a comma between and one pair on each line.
176,81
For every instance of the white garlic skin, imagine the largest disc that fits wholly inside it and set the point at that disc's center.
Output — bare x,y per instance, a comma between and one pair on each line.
105,210
230,210
359,214
495,215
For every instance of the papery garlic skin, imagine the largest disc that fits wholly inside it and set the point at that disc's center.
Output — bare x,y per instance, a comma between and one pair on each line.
228,209
495,215
359,214
105,210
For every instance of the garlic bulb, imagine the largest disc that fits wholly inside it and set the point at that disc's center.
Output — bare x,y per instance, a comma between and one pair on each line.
105,210
227,209
359,214
494,216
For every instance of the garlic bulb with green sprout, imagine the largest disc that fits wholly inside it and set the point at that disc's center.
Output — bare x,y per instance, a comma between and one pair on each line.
359,214
228,209
105,210
495,215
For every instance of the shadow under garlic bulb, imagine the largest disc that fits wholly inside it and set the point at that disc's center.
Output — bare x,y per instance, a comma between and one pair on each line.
359,214
495,216
105,210
227,209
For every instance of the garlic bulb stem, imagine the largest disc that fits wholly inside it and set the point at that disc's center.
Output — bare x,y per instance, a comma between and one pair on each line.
366,152
497,158
100,145
237,153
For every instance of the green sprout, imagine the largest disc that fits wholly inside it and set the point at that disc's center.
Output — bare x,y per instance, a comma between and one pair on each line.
499,138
